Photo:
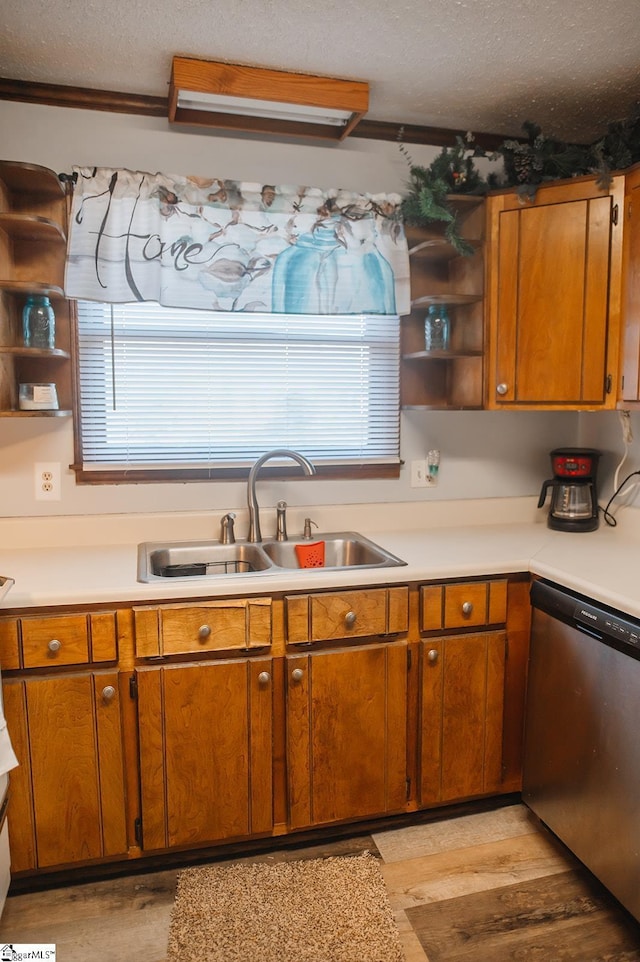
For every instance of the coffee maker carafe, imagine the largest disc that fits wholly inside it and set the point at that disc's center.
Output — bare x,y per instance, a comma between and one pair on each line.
574,498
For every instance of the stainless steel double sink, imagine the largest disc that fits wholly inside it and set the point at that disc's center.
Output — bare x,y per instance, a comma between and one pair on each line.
211,559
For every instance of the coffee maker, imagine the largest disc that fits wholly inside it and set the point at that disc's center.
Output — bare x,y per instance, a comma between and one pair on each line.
574,498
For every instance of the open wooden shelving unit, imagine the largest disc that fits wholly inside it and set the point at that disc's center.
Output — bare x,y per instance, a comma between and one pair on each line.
453,379
33,237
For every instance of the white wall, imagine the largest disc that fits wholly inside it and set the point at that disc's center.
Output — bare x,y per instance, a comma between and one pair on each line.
484,454
603,431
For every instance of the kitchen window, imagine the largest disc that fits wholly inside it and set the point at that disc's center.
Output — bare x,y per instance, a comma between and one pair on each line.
168,394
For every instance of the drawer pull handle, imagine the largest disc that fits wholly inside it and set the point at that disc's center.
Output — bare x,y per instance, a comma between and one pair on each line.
204,632
467,608
432,655
502,389
54,645
350,619
264,678
108,693
297,674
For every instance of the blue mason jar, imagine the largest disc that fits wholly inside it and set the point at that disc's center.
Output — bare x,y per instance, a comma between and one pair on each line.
436,328
319,275
38,322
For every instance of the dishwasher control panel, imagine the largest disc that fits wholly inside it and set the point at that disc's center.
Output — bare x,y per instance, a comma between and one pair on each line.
608,625
588,616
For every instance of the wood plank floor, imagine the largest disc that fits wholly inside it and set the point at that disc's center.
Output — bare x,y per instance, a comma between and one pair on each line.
485,887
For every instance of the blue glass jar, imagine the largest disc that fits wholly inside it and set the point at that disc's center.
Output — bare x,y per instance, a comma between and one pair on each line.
436,328
38,322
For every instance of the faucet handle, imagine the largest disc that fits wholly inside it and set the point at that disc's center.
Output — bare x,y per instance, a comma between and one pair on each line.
281,524
227,535
306,534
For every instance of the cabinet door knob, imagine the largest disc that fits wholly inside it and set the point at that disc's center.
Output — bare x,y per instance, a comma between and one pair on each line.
502,388
54,645
204,632
108,693
297,674
467,608
350,619
264,678
432,655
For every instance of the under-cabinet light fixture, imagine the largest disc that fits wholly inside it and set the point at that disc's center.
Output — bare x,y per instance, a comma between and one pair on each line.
257,100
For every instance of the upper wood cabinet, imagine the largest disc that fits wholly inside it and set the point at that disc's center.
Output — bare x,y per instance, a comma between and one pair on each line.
439,275
33,238
554,296
630,365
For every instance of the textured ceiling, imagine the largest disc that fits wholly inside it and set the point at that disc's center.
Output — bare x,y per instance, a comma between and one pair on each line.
486,65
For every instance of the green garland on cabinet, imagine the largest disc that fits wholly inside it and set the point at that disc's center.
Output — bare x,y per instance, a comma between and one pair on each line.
527,164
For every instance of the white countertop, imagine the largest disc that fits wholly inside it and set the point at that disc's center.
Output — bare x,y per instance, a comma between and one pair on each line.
87,569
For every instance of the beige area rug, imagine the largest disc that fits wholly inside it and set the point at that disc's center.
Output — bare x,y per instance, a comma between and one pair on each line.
321,910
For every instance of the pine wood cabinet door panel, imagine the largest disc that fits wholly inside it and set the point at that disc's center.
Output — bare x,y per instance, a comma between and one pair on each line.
346,733
430,715
555,272
22,831
630,388
205,751
462,714
76,766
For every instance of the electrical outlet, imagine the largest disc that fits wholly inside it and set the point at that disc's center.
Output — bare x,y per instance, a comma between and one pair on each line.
419,476
47,481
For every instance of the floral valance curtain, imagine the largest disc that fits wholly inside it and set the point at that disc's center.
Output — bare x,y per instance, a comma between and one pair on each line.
233,246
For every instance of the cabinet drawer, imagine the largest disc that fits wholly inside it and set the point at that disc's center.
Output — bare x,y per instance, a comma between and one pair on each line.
9,644
242,623
59,640
464,605
346,614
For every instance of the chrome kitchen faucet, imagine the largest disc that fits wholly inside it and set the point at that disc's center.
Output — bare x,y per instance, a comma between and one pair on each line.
254,511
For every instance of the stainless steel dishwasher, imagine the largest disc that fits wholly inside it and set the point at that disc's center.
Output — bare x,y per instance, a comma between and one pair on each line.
582,744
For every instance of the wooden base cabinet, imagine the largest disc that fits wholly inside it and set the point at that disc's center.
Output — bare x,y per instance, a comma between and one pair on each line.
205,735
67,797
346,715
461,716
358,704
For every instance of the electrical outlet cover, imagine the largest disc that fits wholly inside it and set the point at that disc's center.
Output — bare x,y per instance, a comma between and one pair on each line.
47,481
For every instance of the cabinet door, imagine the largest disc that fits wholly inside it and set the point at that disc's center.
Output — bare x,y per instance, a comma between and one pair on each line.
68,801
461,716
346,733
205,751
555,281
630,388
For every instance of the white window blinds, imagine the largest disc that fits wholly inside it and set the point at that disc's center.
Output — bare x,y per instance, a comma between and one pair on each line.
164,387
